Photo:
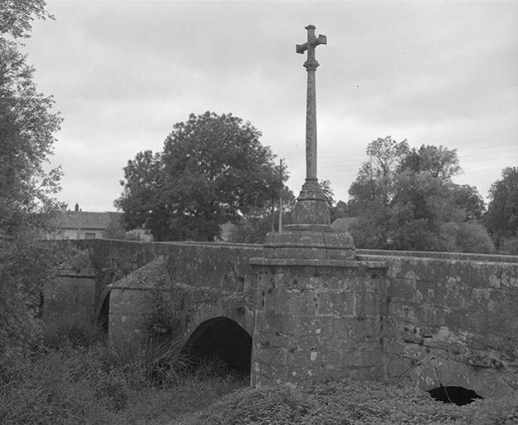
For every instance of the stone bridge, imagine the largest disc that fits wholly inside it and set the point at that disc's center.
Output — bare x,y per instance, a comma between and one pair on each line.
420,319
307,305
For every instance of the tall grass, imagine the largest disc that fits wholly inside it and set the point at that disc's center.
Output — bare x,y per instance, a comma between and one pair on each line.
79,378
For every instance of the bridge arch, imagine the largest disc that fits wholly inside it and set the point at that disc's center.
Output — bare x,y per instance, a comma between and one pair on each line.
102,312
223,338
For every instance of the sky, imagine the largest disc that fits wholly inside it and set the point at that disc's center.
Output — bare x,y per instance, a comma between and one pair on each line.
123,72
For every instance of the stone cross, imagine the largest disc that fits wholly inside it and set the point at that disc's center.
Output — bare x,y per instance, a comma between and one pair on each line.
311,65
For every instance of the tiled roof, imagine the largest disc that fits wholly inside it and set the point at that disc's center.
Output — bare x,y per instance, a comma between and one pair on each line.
86,220
344,223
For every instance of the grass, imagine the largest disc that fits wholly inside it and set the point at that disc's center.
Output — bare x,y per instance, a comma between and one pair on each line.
79,378
84,380
348,402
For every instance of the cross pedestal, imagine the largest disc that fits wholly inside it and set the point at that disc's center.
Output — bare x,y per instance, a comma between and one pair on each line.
310,235
308,269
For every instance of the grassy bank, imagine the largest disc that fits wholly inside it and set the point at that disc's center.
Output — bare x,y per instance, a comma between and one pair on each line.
347,402
80,379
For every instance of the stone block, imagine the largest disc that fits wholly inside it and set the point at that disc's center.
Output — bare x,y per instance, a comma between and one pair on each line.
364,355
291,302
69,299
269,355
357,330
403,289
367,305
336,304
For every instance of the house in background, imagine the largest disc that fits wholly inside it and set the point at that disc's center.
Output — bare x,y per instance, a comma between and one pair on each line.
84,225
343,224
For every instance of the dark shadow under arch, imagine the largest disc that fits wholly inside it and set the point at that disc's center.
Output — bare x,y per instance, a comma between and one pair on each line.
223,338
103,315
451,394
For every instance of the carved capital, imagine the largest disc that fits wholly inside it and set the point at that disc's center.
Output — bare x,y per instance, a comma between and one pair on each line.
311,64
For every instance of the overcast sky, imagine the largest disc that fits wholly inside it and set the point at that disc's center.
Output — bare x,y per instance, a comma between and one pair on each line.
123,72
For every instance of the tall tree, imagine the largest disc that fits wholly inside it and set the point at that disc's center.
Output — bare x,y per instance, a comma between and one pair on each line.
404,197
502,214
27,127
374,184
213,169
373,192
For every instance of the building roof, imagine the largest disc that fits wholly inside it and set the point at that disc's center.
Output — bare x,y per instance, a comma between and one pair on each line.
86,220
344,223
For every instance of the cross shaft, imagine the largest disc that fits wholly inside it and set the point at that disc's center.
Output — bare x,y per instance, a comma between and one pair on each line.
311,65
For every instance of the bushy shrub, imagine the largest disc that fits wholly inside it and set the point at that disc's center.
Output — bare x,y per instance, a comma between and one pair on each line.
509,246
465,237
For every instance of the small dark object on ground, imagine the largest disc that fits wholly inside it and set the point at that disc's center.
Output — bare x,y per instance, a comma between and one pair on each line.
457,395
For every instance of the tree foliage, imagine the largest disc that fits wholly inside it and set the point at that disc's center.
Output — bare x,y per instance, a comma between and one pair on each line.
27,190
405,199
502,214
16,16
253,227
27,126
213,169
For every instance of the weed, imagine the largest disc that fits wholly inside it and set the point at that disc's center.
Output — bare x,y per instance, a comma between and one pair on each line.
74,332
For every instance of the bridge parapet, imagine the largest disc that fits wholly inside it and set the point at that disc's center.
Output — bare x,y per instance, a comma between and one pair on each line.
422,319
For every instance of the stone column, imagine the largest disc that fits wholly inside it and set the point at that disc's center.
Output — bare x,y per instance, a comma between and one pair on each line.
317,308
311,207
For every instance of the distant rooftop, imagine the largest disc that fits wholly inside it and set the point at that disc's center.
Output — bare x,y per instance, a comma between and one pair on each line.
344,223
86,220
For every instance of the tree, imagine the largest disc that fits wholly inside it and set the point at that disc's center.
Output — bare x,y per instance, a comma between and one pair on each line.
27,192
16,16
373,192
405,197
328,193
374,185
255,225
213,169
468,199
502,215
340,209
438,162
26,140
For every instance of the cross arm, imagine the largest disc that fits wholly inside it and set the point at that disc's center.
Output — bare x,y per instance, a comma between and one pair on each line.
321,39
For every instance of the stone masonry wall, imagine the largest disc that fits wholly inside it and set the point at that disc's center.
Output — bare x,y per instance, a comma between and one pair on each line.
70,299
451,322
317,320
184,283
437,319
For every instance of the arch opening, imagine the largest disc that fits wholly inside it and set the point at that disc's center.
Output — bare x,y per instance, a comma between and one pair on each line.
103,316
453,394
222,339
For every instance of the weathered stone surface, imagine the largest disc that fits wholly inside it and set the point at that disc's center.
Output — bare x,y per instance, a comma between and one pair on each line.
435,318
309,313
69,299
309,242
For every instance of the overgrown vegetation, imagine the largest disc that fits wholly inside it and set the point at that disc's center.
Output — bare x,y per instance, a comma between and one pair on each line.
79,378
348,402
27,188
